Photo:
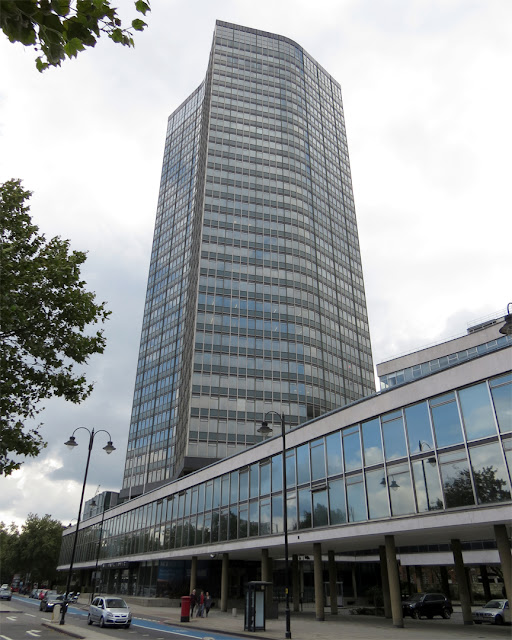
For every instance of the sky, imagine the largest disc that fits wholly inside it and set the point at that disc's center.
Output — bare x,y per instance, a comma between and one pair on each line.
427,98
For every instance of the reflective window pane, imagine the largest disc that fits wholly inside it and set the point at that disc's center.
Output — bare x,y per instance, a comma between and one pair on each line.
291,478
243,528
501,390
277,514
224,500
304,508
372,442
320,517
356,503
489,474
291,510
317,460
458,490
265,517
352,449
337,506
400,490
264,479
419,433
394,437
303,474
429,496
233,524
253,518
277,473
446,421
477,412
334,459
254,471
376,491
233,497
244,485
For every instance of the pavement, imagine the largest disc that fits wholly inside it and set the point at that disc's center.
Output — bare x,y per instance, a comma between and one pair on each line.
303,625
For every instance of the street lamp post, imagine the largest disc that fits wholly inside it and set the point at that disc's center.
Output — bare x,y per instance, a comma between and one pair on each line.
265,430
71,443
93,504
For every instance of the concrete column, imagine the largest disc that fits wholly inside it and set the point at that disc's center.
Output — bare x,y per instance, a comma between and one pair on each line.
264,565
418,574
485,582
295,582
503,544
460,574
193,573
444,581
224,582
385,582
394,582
319,582
354,583
333,575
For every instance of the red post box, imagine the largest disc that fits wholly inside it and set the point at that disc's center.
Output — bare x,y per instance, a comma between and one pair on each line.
185,609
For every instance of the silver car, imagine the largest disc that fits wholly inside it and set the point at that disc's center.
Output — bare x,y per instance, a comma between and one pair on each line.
107,610
495,612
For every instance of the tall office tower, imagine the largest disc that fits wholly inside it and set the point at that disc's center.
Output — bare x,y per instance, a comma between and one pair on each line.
255,298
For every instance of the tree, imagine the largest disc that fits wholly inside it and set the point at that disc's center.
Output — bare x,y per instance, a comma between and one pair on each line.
39,548
45,313
9,552
59,29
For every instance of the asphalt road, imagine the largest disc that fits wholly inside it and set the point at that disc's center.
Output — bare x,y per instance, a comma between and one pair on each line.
24,622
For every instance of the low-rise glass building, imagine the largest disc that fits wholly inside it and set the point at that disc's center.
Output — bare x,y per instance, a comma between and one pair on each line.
423,463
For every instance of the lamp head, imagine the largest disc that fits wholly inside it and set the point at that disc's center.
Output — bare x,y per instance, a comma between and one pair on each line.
265,430
109,447
394,485
71,443
506,329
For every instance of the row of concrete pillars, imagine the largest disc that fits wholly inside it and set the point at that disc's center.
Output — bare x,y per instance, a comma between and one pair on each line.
389,571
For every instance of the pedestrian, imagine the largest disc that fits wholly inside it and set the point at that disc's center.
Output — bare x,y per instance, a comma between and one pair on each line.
207,603
200,608
193,602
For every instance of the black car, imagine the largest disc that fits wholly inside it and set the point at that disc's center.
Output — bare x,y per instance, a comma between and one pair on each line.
49,601
427,605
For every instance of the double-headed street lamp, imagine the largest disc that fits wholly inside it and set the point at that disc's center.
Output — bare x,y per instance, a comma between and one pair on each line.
266,430
72,443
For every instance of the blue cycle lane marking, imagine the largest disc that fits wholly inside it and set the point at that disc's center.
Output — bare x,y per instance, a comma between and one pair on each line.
151,624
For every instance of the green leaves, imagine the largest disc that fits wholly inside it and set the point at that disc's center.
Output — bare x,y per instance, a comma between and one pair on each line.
46,314
35,550
59,29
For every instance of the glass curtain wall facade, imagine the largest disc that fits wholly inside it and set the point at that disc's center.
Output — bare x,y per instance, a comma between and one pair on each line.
449,451
255,297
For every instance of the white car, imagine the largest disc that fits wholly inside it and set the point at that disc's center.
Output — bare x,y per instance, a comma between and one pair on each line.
107,610
495,612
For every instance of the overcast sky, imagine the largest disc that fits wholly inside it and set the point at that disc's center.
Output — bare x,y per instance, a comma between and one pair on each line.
427,96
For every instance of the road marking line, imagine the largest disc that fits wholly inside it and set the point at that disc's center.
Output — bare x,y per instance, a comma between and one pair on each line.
5,638
31,615
34,632
11,617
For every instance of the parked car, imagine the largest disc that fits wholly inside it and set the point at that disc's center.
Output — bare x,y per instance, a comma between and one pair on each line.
494,612
109,611
5,593
50,600
428,605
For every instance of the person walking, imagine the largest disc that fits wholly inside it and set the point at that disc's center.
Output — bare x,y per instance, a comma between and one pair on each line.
193,602
200,608
207,603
